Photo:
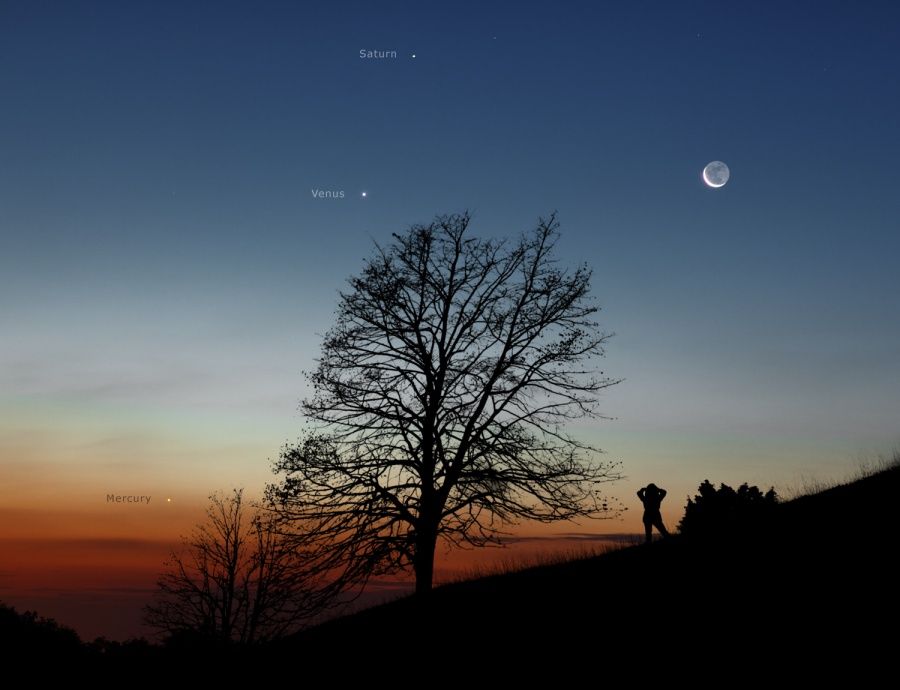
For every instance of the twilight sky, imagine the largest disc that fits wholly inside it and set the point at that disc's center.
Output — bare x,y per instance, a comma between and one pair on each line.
165,269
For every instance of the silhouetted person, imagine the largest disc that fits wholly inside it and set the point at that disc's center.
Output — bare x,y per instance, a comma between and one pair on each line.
651,496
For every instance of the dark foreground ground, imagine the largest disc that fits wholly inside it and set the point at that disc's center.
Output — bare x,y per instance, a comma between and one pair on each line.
812,589
815,584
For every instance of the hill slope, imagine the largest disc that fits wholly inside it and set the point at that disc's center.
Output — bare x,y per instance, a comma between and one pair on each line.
821,576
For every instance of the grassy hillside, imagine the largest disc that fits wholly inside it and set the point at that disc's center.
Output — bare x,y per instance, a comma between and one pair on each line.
819,579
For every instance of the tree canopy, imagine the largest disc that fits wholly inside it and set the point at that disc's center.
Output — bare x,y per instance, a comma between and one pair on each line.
441,399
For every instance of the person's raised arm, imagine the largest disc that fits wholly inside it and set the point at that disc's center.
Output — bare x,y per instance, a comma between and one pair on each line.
640,493
662,494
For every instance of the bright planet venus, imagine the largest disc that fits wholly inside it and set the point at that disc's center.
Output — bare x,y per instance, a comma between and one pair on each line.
716,174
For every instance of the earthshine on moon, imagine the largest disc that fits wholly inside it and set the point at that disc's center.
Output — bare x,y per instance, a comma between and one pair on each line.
716,174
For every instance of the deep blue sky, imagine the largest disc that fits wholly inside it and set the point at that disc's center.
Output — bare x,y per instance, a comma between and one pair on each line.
164,268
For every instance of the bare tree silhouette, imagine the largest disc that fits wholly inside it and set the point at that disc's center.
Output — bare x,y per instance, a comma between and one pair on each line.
440,401
235,579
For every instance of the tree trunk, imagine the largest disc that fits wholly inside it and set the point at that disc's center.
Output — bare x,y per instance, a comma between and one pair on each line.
426,542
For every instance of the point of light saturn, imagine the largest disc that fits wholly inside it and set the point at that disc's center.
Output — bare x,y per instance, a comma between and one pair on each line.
716,174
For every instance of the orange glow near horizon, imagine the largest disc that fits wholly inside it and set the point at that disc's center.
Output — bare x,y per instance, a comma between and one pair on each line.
69,554
94,569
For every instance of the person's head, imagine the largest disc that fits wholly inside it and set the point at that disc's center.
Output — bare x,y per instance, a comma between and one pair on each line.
652,490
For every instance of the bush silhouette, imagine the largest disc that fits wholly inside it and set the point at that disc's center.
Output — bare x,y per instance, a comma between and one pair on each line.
715,511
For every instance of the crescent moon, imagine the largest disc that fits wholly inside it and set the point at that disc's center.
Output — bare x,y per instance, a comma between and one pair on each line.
716,174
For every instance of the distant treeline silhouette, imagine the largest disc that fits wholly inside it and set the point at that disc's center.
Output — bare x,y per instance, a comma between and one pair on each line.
28,631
